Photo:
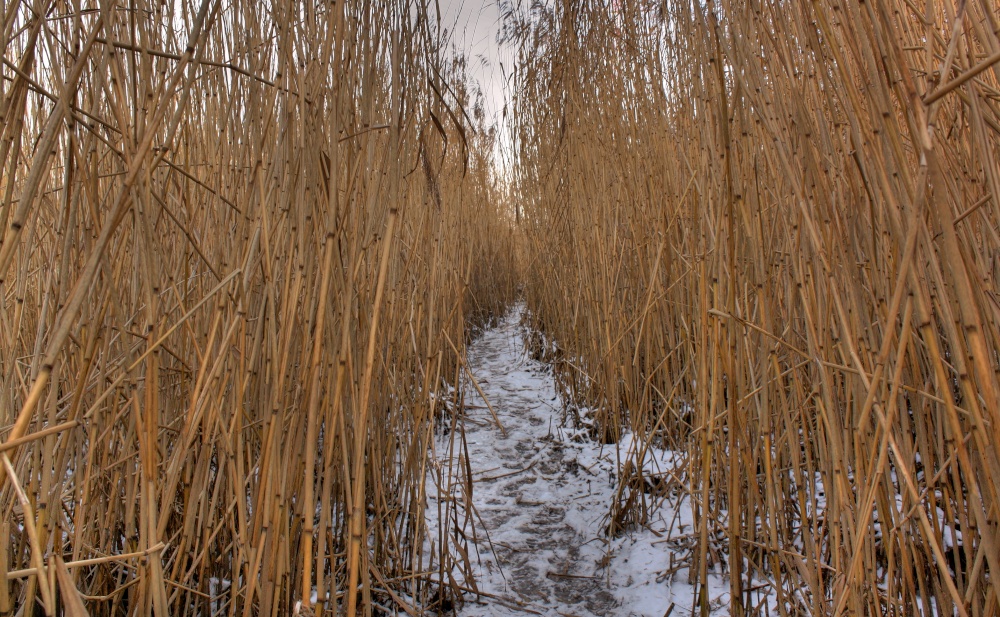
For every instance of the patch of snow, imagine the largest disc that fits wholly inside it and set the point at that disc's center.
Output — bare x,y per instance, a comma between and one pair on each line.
539,512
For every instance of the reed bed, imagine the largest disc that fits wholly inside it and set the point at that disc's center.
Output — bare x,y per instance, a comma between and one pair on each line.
764,235
244,245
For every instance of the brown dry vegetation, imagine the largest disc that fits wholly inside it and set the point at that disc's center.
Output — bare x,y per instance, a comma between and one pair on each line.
231,298
767,233
244,245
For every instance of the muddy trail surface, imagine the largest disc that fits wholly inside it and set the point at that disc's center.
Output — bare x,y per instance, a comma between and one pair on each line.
538,515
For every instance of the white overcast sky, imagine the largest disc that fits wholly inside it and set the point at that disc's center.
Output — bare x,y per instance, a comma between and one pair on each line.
473,26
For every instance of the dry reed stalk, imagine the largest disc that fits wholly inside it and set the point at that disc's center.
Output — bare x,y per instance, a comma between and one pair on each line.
822,178
226,301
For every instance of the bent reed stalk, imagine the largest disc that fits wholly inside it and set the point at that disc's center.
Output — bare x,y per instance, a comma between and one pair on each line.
764,235
237,242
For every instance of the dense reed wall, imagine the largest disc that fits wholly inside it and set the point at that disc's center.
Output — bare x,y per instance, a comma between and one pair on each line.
764,234
243,247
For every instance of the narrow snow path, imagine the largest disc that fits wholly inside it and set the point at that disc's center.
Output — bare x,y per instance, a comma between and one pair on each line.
541,496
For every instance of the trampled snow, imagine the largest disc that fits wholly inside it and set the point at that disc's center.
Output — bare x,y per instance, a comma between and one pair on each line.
540,505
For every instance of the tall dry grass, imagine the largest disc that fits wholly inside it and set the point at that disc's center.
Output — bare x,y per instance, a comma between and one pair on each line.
243,247
764,234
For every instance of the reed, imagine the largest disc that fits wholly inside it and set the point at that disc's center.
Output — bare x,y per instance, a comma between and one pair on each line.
763,234
239,240
243,247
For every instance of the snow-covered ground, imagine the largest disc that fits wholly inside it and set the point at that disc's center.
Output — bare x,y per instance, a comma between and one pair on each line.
540,503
